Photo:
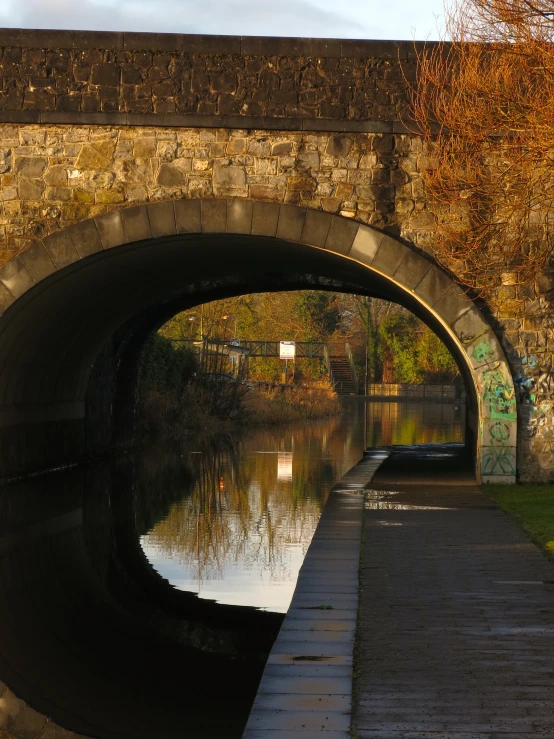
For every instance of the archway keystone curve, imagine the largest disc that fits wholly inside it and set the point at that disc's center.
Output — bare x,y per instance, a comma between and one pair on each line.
416,276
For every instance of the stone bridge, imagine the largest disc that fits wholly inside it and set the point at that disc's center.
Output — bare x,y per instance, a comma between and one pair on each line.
142,174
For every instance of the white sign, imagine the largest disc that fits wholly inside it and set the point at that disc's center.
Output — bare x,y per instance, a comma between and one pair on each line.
287,349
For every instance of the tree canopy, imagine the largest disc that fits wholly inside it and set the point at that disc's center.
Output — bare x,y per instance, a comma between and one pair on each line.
484,101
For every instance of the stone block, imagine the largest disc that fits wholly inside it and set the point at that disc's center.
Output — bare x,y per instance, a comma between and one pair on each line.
412,269
339,146
291,222
144,147
239,216
171,176
37,262
10,708
366,244
470,326
433,286
390,255
342,234
136,223
97,155
85,237
110,196
316,228
106,75
111,230
162,219
50,730
61,249
229,180
188,216
214,216
56,176
30,189
31,166
265,218
28,724
6,299
453,305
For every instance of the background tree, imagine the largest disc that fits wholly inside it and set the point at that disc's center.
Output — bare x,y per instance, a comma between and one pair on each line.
485,104
398,347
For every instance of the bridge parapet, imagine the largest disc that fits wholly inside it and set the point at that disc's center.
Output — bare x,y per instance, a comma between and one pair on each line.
183,80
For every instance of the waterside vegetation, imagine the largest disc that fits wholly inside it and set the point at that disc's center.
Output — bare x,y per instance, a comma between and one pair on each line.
178,395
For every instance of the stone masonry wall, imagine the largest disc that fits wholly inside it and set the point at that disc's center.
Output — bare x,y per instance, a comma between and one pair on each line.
54,176
92,122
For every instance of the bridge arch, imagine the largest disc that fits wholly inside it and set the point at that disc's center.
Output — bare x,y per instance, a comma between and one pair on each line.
65,298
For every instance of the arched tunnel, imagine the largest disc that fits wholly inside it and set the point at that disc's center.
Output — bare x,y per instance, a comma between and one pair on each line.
78,638
79,306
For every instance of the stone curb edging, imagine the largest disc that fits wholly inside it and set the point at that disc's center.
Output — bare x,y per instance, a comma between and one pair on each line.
211,44
192,120
307,681
20,721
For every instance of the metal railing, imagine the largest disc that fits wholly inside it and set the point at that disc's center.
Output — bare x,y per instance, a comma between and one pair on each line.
261,348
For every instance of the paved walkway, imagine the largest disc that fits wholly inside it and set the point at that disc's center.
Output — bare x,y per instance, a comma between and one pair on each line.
457,637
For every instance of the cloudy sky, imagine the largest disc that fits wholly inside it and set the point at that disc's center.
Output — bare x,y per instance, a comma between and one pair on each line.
373,19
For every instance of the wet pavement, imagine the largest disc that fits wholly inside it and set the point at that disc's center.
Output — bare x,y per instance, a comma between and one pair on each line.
456,638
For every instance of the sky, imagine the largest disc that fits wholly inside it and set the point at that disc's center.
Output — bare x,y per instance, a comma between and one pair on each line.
367,19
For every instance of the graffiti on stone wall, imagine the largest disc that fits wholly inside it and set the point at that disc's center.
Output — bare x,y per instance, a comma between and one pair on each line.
498,392
482,352
499,395
499,405
499,459
534,382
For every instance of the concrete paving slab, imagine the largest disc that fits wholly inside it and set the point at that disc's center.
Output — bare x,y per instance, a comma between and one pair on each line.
305,685
281,665
287,734
334,614
299,624
300,720
341,703
316,648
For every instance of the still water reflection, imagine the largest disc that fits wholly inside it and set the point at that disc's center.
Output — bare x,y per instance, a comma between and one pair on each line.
238,534
93,637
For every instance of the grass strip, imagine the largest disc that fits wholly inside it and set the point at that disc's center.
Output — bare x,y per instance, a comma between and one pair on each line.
532,506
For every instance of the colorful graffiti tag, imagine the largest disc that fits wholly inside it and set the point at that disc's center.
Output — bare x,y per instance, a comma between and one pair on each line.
499,395
499,459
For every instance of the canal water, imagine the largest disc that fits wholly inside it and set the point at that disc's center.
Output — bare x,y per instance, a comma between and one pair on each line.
239,531
140,596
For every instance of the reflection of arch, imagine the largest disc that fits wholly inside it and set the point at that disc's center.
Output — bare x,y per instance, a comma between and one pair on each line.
66,295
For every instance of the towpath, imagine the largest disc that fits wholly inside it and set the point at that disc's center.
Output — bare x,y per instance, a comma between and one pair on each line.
456,637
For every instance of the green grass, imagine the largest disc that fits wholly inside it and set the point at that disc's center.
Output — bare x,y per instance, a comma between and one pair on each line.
532,506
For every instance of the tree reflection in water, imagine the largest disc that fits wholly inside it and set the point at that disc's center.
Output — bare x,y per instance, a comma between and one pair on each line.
231,519
241,524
